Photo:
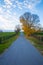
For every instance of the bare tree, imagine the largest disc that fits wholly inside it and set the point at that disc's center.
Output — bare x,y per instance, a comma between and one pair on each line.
17,29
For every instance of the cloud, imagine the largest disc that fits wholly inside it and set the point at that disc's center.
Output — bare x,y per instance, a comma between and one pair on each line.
8,23
8,2
8,12
19,4
4,23
1,10
30,4
8,6
14,6
8,17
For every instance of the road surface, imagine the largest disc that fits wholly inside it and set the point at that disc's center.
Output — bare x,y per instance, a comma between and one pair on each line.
21,52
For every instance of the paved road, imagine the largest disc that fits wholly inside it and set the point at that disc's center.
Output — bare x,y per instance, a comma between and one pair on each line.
21,52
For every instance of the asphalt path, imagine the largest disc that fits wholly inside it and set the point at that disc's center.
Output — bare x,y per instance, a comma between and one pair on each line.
21,52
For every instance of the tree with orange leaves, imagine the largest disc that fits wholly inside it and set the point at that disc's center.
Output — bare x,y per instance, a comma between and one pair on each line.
29,22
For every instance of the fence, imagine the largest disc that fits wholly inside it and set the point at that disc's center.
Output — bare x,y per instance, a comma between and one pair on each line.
4,38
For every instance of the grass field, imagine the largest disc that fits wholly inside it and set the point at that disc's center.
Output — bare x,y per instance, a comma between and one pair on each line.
6,33
5,36
8,42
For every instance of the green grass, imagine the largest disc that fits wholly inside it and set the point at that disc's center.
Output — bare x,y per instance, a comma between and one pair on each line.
5,36
36,43
6,33
7,43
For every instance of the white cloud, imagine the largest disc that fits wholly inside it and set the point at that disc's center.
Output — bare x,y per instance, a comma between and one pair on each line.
14,13
8,6
8,12
8,2
4,6
20,7
30,4
19,4
8,23
9,20
1,10
4,22
14,6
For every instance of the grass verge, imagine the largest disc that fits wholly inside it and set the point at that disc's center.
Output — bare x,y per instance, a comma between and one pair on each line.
8,42
36,43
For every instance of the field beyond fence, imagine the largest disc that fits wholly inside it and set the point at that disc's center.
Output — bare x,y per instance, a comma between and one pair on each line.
5,36
6,39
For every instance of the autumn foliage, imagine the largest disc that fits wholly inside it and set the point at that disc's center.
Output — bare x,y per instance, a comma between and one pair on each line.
29,23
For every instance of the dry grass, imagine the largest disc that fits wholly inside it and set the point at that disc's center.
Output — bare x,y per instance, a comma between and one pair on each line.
37,43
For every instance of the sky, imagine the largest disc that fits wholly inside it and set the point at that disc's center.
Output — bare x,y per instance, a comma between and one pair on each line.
11,10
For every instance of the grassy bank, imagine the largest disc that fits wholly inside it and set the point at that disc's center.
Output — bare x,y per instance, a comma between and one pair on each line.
36,43
7,43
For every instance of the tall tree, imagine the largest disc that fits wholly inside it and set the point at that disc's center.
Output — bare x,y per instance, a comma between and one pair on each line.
29,21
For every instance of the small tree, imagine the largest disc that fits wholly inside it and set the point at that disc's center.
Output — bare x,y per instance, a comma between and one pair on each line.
17,29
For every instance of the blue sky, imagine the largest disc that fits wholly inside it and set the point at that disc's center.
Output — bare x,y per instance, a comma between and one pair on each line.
11,10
